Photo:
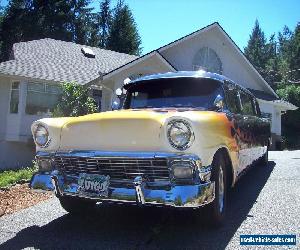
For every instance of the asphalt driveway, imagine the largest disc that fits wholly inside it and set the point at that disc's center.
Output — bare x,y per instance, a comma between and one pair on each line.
265,201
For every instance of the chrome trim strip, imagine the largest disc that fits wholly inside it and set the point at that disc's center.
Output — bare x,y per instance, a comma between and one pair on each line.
115,154
137,190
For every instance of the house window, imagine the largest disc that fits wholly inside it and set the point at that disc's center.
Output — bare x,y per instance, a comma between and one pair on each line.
41,98
208,60
14,97
97,95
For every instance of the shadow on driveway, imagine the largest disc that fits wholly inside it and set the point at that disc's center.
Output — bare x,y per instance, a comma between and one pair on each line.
134,228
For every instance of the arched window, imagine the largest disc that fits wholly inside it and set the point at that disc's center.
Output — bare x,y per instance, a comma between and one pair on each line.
208,60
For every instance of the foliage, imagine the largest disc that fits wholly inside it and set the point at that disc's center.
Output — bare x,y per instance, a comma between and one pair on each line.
74,21
105,22
123,36
75,101
256,48
278,61
11,177
291,93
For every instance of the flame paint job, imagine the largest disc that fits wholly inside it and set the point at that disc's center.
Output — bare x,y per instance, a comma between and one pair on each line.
145,130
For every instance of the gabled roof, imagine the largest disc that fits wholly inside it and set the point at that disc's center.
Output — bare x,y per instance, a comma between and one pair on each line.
55,60
231,42
263,95
141,59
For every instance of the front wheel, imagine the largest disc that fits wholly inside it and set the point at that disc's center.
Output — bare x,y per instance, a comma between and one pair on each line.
217,209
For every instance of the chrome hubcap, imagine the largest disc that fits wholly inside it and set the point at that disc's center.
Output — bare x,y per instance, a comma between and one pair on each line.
221,189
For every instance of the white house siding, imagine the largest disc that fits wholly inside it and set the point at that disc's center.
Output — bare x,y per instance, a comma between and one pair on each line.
15,134
4,105
269,108
16,154
12,154
234,66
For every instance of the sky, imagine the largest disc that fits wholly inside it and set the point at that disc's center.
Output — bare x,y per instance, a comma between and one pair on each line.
162,21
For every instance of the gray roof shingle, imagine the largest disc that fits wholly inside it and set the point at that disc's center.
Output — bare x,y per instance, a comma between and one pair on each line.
56,60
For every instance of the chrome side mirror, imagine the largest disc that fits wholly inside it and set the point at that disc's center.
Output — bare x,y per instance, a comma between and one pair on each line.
116,104
219,102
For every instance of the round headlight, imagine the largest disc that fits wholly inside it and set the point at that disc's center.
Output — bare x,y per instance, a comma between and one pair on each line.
41,136
180,134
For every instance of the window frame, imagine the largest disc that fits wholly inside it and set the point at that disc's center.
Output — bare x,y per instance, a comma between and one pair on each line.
10,96
208,51
45,91
238,99
252,100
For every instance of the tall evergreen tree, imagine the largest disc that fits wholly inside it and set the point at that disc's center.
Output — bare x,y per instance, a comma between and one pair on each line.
26,20
123,36
271,68
255,50
295,55
105,22
11,28
81,21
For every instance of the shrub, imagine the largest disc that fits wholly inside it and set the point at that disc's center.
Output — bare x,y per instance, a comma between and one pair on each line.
74,101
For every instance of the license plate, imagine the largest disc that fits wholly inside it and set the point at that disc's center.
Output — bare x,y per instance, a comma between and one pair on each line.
93,184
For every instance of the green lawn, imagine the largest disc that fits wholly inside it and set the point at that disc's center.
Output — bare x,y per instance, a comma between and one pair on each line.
11,177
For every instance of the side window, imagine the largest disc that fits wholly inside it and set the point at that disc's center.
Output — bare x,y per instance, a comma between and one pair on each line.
258,112
232,100
14,97
247,104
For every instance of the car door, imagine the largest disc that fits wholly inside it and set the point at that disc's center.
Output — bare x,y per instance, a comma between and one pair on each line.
253,129
236,118
247,127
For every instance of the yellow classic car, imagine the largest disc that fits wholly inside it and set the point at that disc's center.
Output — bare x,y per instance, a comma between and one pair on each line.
174,139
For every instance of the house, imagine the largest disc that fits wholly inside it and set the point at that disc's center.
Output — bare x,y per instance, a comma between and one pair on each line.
29,81
29,88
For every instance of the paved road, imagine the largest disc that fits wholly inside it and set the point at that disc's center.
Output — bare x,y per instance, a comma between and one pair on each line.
265,201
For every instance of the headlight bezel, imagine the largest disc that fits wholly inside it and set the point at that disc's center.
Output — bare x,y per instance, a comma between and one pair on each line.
35,130
188,126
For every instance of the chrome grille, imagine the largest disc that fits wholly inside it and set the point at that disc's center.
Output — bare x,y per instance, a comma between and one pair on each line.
116,168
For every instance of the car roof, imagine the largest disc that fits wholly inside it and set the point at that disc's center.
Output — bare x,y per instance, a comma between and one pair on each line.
185,74
182,74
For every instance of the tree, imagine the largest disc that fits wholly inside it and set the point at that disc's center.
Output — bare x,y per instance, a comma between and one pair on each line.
290,120
123,35
272,64
100,25
10,26
105,22
1,19
75,101
81,21
26,20
295,55
255,50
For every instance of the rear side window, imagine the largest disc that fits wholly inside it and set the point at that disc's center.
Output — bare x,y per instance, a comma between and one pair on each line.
258,112
247,104
232,99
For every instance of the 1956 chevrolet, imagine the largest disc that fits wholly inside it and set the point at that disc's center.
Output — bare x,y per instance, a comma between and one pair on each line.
177,139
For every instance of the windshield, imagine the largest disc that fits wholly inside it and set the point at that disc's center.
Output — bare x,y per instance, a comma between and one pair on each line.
173,92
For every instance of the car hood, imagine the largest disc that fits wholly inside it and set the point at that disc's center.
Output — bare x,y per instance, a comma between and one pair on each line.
128,130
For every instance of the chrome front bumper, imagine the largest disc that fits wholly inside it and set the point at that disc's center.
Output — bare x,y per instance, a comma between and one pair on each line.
137,191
